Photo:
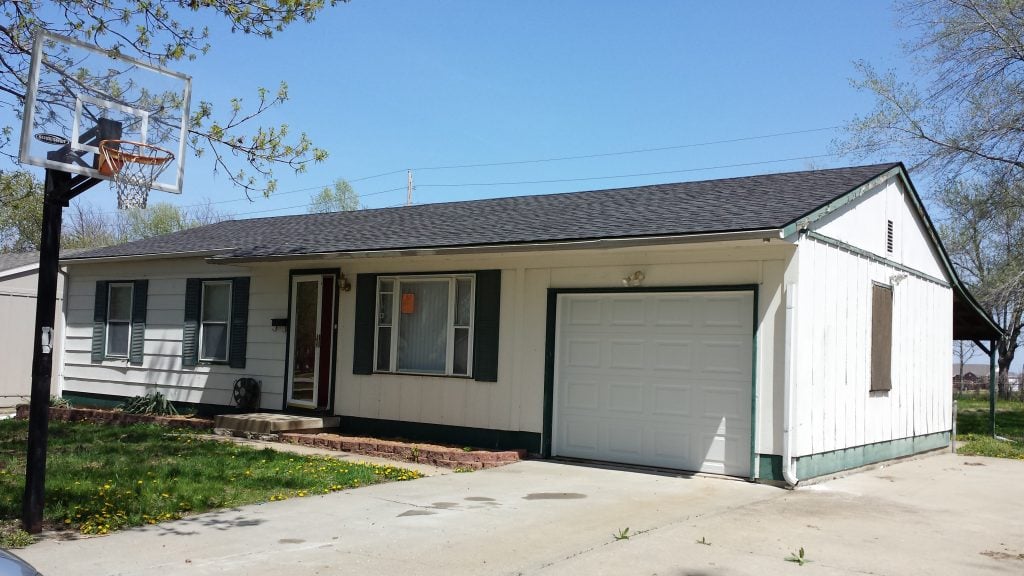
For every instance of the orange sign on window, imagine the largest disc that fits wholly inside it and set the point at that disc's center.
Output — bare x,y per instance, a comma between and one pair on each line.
408,303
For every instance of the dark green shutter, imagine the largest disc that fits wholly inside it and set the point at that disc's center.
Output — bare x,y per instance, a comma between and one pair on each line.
485,327
99,323
190,332
239,322
140,292
366,308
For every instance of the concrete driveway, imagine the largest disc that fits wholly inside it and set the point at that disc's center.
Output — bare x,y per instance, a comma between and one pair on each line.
937,515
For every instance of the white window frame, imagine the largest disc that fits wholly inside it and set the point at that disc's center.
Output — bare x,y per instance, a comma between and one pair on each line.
396,312
226,323
106,345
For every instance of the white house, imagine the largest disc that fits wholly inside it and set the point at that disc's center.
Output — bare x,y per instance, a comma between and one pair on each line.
774,327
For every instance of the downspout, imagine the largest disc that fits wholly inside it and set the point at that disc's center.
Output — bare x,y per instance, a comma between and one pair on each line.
789,389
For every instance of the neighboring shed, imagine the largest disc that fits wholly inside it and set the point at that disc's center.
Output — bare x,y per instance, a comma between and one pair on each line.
18,280
772,327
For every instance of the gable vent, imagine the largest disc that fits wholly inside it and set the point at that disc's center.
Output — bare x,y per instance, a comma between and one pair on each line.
888,236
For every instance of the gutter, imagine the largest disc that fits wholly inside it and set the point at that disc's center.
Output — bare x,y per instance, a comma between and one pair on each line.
152,256
600,243
789,390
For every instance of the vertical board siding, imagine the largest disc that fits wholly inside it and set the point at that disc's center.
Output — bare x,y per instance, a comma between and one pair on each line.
836,409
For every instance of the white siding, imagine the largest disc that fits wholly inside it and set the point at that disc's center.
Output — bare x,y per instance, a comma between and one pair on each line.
514,402
162,368
862,223
835,409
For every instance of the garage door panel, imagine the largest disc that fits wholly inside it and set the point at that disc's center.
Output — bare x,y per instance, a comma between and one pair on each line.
672,355
582,435
625,399
627,354
729,404
583,395
724,357
674,401
583,353
727,312
584,312
626,440
674,312
658,379
627,312
669,447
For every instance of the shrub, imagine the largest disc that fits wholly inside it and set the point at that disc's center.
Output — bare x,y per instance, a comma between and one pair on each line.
152,403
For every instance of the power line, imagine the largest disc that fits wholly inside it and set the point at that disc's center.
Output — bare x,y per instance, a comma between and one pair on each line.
625,152
663,172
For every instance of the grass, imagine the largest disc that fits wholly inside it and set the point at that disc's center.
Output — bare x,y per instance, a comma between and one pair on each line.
102,478
973,431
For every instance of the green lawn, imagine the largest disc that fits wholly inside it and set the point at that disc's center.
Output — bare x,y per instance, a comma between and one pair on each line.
102,478
973,432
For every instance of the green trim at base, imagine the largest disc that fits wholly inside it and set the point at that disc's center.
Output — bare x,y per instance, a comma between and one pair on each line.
828,462
458,435
770,467
93,400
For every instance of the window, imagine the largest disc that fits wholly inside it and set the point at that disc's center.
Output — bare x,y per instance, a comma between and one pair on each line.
888,236
215,326
216,321
424,324
119,319
881,338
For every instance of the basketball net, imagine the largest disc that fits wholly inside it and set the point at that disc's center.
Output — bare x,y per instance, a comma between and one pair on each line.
132,167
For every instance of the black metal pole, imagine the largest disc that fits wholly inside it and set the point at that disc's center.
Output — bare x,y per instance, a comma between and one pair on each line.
57,191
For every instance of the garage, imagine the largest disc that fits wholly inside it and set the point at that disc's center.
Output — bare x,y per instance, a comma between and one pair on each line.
655,378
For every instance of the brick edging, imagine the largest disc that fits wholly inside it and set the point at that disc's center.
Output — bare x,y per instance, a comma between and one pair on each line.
442,456
116,417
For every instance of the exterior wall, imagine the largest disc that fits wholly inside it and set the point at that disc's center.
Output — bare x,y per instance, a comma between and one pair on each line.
862,223
515,402
835,409
162,364
18,310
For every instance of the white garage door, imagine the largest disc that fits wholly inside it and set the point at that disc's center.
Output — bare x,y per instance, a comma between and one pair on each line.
655,379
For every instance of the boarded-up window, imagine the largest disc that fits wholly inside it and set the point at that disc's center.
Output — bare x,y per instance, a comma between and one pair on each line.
881,338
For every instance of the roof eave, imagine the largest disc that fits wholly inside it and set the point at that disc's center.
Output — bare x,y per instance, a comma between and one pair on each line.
582,244
147,256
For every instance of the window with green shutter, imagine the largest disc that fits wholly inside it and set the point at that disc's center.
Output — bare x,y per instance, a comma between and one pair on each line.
119,321
216,321
437,324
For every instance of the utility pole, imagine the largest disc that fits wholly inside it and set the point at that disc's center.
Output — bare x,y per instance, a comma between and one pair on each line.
408,189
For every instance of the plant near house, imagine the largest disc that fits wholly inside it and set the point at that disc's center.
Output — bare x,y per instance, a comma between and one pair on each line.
462,470
152,403
414,454
798,557
623,534
58,402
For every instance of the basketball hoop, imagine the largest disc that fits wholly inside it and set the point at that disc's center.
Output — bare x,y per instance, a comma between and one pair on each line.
132,168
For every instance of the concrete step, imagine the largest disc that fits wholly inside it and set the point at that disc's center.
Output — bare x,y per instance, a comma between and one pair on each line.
268,423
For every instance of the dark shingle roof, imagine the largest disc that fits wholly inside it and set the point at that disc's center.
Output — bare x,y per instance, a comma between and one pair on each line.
12,260
735,204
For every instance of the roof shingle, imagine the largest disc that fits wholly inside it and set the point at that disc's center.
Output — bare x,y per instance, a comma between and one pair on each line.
735,204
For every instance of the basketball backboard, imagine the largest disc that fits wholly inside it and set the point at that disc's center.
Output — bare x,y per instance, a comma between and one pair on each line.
79,95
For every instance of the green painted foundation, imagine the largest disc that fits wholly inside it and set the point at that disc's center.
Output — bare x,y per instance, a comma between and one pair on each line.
816,465
770,467
90,400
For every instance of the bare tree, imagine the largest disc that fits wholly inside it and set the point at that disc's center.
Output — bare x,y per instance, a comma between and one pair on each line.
963,351
961,119
984,233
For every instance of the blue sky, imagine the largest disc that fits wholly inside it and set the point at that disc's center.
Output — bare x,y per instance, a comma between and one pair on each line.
386,86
